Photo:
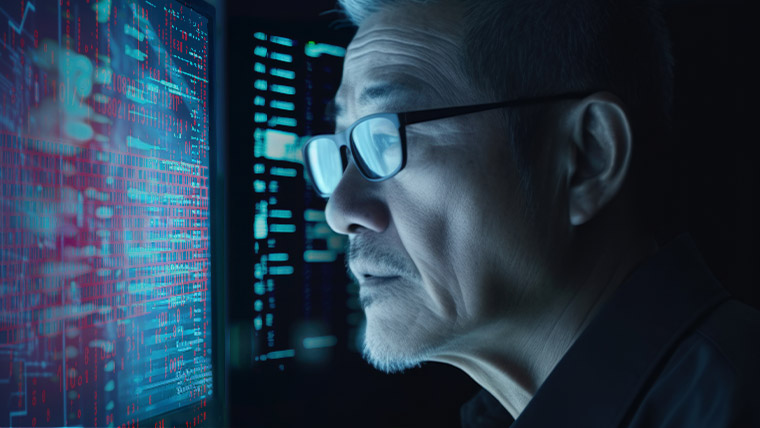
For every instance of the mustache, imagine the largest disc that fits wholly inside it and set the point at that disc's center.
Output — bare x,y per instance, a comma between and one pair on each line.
362,251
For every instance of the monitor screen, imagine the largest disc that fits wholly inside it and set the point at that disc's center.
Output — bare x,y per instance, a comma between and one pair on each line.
105,284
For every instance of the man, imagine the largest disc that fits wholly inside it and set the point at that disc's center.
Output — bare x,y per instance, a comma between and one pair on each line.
493,171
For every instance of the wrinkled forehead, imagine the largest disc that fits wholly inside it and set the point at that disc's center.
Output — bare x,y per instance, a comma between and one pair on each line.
406,57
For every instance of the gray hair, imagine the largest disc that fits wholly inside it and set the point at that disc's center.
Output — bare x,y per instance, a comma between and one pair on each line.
516,48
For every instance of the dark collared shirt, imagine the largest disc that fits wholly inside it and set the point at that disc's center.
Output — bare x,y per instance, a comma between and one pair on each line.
671,348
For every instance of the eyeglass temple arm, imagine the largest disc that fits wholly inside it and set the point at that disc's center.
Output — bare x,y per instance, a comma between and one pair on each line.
412,117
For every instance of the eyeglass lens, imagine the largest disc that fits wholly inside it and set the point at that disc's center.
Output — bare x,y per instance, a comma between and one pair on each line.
378,153
378,144
325,164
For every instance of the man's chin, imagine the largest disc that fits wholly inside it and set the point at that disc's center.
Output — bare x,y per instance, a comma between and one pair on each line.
391,354
386,363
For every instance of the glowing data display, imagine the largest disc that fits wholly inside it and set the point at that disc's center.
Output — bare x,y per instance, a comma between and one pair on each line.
105,292
299,278
278,186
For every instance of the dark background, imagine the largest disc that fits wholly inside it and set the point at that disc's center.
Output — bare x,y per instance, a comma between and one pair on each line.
715,201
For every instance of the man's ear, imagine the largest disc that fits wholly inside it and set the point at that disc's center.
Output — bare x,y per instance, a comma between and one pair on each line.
600,155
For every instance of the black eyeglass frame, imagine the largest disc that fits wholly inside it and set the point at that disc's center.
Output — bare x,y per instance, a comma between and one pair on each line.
404,119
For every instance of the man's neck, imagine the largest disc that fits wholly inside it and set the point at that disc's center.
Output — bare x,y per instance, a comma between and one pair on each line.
512,359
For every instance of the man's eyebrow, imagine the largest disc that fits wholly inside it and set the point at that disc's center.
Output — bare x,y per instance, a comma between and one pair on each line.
381,91
368,95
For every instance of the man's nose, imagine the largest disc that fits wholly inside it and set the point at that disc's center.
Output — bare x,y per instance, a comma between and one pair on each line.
356,205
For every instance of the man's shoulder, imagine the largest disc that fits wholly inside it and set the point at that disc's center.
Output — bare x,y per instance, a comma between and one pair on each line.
670,348
733,328
711,379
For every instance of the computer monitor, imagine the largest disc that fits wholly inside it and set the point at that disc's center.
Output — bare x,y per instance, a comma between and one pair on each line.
106,182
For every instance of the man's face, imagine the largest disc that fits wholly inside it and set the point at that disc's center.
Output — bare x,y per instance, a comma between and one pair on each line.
443,248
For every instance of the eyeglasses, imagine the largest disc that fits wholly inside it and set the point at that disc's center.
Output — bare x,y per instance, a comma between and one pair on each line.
377,143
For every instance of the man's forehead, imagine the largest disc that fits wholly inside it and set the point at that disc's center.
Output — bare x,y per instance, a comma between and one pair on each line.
400,52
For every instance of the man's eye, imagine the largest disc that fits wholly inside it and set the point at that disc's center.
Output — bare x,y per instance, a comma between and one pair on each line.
384,140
